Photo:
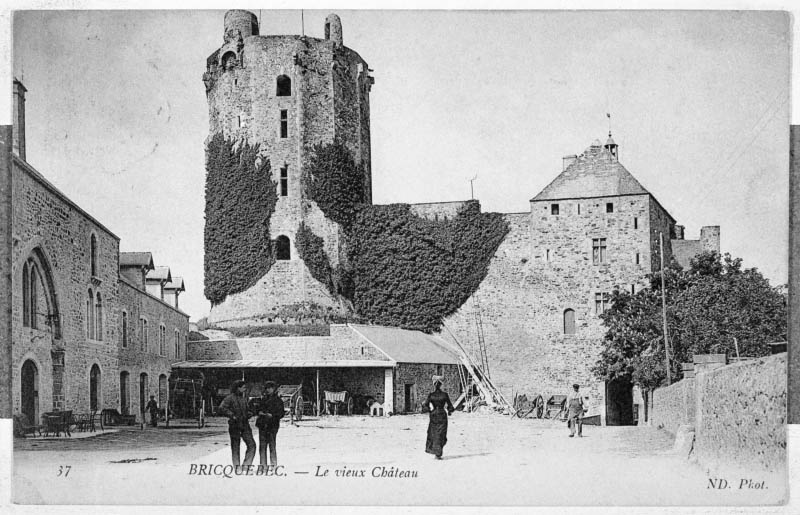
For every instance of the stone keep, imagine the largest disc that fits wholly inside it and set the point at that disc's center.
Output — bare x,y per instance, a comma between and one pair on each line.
287,93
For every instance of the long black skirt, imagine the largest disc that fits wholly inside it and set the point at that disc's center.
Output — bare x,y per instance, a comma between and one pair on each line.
437,433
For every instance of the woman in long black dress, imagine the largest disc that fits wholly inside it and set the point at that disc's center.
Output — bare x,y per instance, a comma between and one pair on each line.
439,405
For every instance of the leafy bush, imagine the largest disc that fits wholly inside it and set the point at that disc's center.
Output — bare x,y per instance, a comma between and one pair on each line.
240,199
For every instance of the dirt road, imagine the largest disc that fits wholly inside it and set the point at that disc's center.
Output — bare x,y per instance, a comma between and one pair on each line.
489,459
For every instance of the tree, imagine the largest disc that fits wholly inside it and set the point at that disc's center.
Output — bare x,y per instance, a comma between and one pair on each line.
708,305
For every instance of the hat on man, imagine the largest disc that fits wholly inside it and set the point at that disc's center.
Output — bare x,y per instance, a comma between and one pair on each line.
270,384
576,386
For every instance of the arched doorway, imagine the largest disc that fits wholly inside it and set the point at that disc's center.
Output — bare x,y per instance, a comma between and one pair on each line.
143,387
124,393
94,388
30,391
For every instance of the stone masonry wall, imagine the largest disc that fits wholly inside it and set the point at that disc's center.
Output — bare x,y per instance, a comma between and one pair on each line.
544,267
137,357
419,376
673,406
741,414
49,227
438,210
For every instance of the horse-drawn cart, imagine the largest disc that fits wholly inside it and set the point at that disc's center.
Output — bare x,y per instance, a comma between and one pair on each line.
556,407
292,397
337,399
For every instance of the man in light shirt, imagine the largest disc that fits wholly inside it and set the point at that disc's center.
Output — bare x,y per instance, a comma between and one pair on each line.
575,411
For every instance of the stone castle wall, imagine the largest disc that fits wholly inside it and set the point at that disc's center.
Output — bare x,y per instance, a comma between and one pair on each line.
47,224
438,210
329,99
673,405
543,268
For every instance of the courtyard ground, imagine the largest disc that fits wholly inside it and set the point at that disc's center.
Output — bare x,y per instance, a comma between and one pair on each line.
489,459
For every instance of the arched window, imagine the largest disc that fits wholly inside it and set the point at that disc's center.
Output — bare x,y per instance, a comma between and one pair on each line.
99,317
93,245
94,388
228,60
26,296
284,86
90,315
569,321
124,329
34,302
282,248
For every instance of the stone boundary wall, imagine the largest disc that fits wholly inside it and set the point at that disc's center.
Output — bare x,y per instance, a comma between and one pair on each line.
738,413
743,414
674,405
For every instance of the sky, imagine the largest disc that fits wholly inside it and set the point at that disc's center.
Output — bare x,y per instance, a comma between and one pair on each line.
699,103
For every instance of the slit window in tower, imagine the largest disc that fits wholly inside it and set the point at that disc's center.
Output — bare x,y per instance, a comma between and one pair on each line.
637,258
284,181
635,223
283,86
284,123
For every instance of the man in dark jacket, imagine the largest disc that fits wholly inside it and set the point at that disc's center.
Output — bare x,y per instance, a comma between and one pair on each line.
234,406
270,412
152,408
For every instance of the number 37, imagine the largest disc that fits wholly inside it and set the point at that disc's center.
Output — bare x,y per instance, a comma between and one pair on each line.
63,470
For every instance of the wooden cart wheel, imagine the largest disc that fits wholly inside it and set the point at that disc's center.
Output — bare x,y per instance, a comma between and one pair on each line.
349,405
539,403
298,408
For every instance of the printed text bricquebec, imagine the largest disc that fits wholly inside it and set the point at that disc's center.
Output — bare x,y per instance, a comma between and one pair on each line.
231,471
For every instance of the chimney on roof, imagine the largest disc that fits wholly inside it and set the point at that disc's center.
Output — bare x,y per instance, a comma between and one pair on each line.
568,160
18,131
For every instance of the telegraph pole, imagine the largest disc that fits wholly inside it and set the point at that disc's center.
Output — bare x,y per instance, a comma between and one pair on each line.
664,307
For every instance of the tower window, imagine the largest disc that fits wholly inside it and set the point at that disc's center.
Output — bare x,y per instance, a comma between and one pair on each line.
26,297
284,123
553,209
284,86
284,181
579,209
282,249
609,207
601,302
569,321
598,251
635,223
93,251
633,289
124,329
637,258
239,121
547,255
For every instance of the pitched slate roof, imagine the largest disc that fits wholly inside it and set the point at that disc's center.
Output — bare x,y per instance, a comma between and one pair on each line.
160,273
143,259
406,346
595,173
175,284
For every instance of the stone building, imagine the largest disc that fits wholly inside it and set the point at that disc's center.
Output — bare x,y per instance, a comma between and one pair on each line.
72,302
287,93
593,229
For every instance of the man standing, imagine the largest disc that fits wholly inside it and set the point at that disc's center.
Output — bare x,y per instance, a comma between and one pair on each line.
152,408
270,412
234,406
575,411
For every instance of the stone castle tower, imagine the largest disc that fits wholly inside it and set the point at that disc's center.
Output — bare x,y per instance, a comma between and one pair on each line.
287,93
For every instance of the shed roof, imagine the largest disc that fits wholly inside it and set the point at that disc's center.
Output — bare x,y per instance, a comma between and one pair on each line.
406,346
143,259
266,363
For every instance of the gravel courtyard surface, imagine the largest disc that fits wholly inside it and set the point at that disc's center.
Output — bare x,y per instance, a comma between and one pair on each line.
489,459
